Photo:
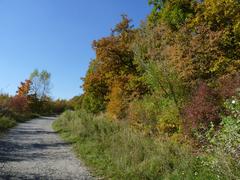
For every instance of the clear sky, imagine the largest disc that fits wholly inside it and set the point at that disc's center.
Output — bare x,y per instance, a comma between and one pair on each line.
56,35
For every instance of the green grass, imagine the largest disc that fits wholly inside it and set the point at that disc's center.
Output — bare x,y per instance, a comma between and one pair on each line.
115,151
6,123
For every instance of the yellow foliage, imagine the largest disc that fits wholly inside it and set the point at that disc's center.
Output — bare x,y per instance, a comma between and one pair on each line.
116,104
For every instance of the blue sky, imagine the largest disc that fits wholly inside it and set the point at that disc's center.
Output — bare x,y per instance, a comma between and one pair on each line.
56,35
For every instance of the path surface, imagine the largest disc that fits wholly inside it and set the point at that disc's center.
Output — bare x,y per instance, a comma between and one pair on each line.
33,151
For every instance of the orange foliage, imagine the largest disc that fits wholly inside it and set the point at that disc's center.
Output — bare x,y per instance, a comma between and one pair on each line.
113,67
116,104
24,88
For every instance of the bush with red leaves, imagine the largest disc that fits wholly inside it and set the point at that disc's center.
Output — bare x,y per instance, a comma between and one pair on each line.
19,104
228,86
203,109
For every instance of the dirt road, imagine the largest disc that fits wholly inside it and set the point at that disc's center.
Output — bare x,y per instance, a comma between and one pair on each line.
33,151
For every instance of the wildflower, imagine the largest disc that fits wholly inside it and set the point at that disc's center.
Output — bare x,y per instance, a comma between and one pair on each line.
233,102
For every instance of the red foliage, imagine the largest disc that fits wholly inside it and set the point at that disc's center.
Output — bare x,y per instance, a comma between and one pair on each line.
19,104
228,86
202,109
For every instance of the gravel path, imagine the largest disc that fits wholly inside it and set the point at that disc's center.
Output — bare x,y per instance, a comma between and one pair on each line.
33,151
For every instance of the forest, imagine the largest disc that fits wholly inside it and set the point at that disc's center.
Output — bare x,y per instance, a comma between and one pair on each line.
160,101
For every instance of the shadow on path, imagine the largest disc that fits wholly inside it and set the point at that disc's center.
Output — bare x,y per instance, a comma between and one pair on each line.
33,150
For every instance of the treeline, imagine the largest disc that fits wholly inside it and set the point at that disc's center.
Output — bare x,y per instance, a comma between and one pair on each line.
31,100
171,75
175,79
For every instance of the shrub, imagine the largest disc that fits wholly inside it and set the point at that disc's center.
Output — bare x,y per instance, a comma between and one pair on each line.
59,106
75,102
6,123
4,101
228,85
118,152
142,114
19,104
225,142
93,103
169,119
202,110
154,115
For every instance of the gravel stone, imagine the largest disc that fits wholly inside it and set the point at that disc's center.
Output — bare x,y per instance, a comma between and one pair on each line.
33,150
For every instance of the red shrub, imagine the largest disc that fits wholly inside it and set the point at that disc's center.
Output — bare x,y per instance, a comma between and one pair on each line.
19,104
228,86
202,109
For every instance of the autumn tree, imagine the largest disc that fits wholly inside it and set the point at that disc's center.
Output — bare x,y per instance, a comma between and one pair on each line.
20,102
113,64
183,47
24,88
95,89
208,44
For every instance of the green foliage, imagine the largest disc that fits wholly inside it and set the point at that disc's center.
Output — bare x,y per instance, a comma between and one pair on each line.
184,42
219,13
76,102
177,12
4,101
6,123
162,80
228,137
217,53
115,151
224,143
93,103
172,12
143,114
154,115
185,55
156,10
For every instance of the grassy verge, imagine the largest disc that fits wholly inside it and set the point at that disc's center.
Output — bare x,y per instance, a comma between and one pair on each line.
114,151
7,122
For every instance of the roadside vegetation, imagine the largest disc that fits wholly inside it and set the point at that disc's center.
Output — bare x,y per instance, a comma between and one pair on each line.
31,100
162,101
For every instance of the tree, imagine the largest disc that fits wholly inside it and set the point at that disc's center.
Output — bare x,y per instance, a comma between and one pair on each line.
24,88
39,91
40,85
113,63
123,26
153,60
75,102
171,12
156,10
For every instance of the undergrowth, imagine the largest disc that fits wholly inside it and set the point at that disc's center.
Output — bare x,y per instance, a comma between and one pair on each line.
115,151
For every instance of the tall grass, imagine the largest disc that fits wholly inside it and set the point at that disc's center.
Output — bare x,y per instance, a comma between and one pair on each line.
115,151
6,123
